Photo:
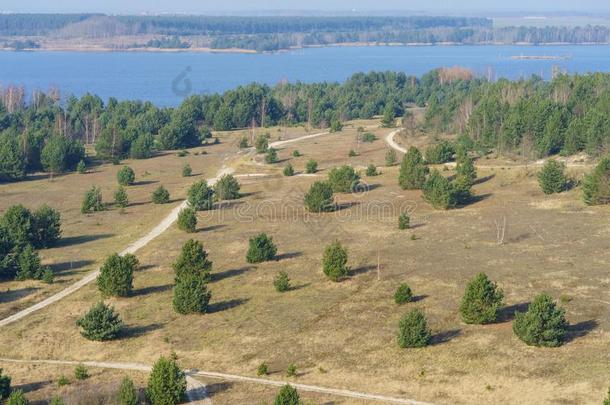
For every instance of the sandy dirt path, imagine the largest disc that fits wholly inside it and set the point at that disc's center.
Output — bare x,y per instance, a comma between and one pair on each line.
196,391
132,248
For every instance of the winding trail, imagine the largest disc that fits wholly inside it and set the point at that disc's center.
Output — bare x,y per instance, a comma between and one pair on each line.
132,248
197,393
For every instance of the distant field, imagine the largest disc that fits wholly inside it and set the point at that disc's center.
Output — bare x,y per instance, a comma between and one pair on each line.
342,335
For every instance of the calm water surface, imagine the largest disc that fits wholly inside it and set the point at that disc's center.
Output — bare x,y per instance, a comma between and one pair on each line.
165,78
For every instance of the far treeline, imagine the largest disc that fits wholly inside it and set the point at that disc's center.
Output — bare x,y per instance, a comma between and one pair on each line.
533,117
273,33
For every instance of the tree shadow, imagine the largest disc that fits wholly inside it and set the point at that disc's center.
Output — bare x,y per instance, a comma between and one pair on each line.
31,387
285,256
249,194
145,182
444,337
415,226
417,298
78,240
231,273
151,290
485,179
362,269
131,332
507,313
66,268
345,206
225,305
136,204
227,204
212,228
580,329
475,199
299,287
217,388
14,295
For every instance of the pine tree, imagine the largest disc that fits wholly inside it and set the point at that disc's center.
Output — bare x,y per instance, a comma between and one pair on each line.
29,267
116,275
371,170
5,386
389,117
271,156
404,221
200,197
311,166
126,176
100,323
334,262
187,171
543,324
596,186
127,392
403,294
413,171
187,220
160,195
481,301
193,259
261,249
288,170
47,227
227,188
439,192
17,397
287,395
191,295
92,201
390,157
120,197
552,178
167,383
413,330
281,282
319,198
343,179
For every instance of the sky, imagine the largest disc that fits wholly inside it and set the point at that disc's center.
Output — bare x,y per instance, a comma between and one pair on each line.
245,6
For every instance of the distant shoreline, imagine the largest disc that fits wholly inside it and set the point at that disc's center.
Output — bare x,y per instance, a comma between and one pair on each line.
76,48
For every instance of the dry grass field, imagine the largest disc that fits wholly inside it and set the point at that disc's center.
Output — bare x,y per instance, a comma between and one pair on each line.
87,239
343,335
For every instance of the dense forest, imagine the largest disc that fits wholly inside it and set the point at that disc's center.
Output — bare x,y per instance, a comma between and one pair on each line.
566,115
276,33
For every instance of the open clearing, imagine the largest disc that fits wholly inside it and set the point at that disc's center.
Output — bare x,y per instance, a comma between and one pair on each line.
339,335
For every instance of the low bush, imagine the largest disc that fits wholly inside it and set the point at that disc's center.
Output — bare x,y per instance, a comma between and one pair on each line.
281,282
311,166
81,372
404,221
287,395
403,294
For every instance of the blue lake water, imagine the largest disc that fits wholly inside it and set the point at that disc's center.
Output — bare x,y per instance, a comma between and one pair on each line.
165,78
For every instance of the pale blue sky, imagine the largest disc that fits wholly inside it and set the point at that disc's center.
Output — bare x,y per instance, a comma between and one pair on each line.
203,6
